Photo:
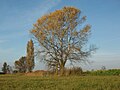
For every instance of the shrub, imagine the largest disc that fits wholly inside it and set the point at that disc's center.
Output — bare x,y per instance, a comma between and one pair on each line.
73,71
104,72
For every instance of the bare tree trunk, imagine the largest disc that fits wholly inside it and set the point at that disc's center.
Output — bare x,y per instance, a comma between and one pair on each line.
62,67
56,72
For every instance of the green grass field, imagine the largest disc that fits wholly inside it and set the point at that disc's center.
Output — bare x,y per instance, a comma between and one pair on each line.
21,82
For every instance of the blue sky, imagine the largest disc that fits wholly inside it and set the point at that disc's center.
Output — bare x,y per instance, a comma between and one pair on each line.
18,16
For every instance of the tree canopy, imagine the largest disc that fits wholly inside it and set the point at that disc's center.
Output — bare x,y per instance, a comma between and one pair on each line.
62,37
26,63
21,65
4,68
30,56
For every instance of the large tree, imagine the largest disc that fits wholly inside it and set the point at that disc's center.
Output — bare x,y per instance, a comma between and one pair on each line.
30,56
62,37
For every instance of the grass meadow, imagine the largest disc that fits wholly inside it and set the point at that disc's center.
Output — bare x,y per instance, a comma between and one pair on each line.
22,82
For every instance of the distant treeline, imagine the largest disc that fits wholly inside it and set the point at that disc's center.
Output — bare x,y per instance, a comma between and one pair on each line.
104,72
